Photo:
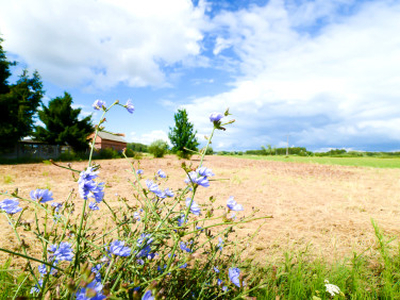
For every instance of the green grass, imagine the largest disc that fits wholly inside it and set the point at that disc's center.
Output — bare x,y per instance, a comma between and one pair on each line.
373,162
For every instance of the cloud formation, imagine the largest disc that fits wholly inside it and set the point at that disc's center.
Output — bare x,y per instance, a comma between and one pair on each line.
337,86
102,43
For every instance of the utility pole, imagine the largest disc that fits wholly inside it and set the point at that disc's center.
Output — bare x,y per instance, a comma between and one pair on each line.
287,147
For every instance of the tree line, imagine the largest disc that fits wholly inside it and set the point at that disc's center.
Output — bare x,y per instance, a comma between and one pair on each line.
21,104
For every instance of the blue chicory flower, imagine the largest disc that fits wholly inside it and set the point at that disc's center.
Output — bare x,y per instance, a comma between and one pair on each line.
232,205
117,248
93,206
129,106
200,177
183,266
220,243
57,206
42,269
87,185
224,288
216,269
194,208
139,172
168,192
62,252
161,174
215,117
41,195
36,288
99,104
96,271
181,219
184,248
203,171
148,296
95,286
155,188
234,274
10,206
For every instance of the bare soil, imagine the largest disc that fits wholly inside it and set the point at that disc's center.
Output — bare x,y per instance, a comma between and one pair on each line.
324,209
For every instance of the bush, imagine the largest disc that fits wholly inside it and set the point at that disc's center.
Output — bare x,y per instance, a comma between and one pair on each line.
108,153
209,151
134,154
158,148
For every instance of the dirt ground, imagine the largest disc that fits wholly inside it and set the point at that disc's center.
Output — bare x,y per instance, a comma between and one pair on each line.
324,209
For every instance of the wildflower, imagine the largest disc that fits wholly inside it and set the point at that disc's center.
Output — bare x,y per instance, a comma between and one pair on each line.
99,104
194,208
129,106
234,274
331,288
219,281
92,291
42,269
200,177
232,205
117,248
148,296
168,192
41,195
220,243
154,188
57,206
224,288
62,252
93,206
216,269
96,271
216,117
10,206
144,239
139,172
203,171
184,248
161,174
183,266
36,288
136,216
145,252
181,219
88,186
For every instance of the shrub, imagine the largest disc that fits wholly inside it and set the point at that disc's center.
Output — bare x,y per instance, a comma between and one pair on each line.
158,148
108,153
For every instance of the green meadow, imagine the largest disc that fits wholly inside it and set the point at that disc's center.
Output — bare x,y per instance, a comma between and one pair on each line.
373,162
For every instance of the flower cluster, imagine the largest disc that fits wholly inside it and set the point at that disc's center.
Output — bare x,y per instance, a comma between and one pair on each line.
199,177
62,252
118,248
89,187
10,206
331,288
41,195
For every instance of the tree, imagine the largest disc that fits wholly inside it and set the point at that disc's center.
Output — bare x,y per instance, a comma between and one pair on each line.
158,148
63,126
18,103
182,136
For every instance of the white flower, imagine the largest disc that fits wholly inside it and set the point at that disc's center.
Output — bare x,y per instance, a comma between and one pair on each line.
331,288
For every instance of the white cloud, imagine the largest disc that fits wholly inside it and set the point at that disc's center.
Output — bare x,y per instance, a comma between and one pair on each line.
148,138
338,85
102,43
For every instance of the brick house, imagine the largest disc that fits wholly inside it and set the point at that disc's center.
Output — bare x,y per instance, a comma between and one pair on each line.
106,140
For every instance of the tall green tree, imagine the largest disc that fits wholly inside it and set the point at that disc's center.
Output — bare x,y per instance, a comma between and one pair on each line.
182,136
18,103
63,125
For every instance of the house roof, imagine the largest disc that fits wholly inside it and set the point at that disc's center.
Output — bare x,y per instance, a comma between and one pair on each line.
111,137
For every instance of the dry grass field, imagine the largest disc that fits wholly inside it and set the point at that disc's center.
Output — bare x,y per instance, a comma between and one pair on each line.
325,209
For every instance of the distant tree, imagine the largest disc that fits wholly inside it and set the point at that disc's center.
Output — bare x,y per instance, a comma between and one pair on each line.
138,147
158,148
182,136
18,103
62,124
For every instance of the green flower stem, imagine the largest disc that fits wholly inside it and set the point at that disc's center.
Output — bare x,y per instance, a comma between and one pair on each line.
208,144
19,287
108,269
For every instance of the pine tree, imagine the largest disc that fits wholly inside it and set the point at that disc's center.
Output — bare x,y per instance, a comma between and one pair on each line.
182,136
18,103
63,126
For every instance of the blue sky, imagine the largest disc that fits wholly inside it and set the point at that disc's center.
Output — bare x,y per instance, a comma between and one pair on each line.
324,72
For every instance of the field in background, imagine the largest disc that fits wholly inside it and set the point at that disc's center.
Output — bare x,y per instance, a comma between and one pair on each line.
325,209
373,162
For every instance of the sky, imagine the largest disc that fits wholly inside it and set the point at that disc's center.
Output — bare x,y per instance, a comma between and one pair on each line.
322,73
